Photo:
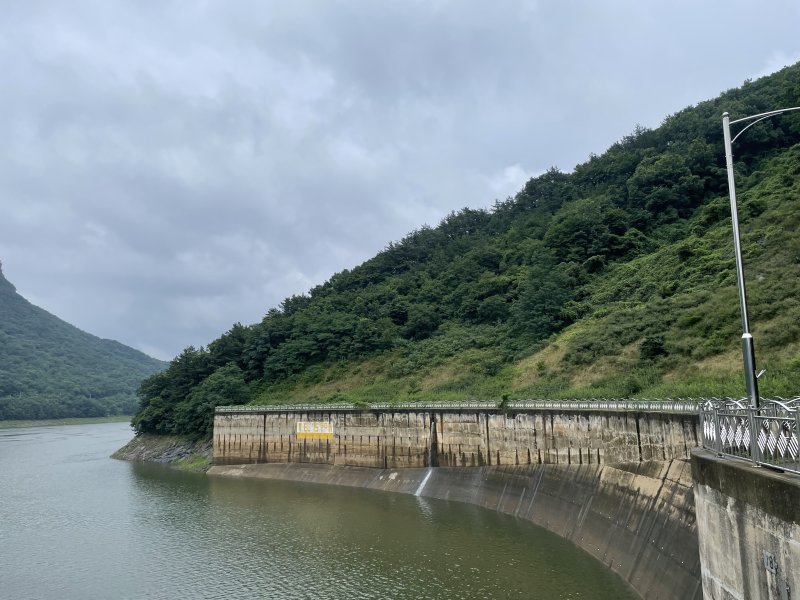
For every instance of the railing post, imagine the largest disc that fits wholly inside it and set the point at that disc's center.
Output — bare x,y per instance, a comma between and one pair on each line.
717,433
796,431
754,454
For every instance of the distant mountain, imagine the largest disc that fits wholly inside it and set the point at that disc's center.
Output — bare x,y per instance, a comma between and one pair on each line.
51,369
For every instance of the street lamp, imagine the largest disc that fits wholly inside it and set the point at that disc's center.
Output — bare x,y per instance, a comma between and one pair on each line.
748,350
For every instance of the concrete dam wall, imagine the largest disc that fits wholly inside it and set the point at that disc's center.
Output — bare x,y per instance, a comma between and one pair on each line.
453,438
617,483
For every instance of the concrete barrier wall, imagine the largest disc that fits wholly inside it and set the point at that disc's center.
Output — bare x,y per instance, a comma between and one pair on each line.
468,438
369,439
637,519
749,523
482,438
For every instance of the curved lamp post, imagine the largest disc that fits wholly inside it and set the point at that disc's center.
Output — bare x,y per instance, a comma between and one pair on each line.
748,350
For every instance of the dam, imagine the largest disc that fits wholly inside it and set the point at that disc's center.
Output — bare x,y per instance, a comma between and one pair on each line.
617,478
465,434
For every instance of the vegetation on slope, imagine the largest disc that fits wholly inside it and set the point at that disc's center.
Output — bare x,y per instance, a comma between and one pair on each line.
614,280
52,370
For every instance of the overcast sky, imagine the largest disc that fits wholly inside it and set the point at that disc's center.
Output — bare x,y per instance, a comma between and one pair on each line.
170,168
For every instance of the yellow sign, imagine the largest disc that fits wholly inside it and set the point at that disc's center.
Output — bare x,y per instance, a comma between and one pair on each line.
314,430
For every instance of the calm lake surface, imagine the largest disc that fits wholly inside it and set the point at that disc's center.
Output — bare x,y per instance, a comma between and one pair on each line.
75,524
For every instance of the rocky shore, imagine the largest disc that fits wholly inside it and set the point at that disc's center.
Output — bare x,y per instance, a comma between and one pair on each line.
172,450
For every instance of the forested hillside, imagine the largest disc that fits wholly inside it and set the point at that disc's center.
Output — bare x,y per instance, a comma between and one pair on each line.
616,279
50,369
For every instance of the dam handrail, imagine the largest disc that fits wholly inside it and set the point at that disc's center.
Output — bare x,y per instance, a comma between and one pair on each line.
679,406
766,435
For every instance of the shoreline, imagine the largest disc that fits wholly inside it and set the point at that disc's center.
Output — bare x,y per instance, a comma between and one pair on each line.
22,423
172,450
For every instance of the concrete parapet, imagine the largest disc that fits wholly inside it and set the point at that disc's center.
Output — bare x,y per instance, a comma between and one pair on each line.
368,439
455,438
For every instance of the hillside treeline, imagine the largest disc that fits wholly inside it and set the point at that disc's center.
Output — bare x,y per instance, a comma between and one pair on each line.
617,278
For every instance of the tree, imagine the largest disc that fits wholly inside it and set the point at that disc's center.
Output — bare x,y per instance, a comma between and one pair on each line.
588,227
423,320
539,310
195,415
229,347
665,186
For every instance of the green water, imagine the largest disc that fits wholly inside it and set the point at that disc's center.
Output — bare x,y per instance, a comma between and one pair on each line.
75,524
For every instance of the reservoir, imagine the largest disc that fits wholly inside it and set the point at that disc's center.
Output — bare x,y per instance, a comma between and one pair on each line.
75,524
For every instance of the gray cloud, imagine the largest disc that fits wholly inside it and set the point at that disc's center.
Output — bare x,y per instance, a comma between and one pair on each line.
170,168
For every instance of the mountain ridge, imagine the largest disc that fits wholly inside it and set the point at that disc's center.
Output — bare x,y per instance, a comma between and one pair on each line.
51,369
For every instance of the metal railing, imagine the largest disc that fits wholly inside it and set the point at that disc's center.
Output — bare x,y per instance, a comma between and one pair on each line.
767,435
676,406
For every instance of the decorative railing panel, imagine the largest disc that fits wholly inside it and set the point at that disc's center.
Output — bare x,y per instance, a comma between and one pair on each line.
767,435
